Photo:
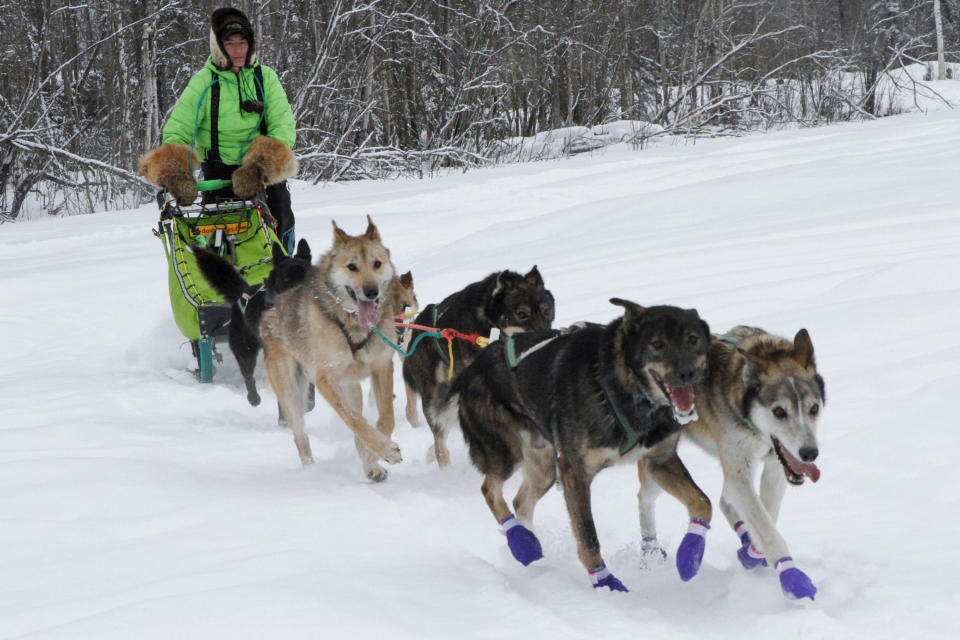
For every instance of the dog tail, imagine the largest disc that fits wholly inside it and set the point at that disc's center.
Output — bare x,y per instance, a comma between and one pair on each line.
446,414
221,275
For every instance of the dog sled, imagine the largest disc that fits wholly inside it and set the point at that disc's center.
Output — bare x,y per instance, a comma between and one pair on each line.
242,231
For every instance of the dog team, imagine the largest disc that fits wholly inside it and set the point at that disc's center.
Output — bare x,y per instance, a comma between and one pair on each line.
557,404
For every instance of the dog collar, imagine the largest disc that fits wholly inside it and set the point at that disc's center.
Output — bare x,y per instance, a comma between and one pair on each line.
335,297
354,346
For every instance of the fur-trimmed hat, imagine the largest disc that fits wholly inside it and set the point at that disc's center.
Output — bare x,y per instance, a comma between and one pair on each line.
223,23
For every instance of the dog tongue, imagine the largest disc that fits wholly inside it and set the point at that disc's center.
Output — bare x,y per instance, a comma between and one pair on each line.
367,311
799,467
682,398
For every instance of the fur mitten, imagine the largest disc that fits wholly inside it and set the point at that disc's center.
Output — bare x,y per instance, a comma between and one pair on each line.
168,167
267,161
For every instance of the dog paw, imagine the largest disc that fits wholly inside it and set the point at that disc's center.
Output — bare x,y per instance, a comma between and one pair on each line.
690,553
750,558
795,583
376,473
747,554
651,553
523,543
391,453
601,577
253,398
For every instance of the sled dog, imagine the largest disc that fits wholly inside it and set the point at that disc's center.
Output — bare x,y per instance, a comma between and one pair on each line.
404,302
575,403
403,298
327,328
502,299
250,301
758,407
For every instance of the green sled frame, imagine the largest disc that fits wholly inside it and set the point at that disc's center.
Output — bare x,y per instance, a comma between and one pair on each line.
242,231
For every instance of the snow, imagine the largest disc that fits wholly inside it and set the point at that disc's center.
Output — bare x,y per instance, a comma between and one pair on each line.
137,502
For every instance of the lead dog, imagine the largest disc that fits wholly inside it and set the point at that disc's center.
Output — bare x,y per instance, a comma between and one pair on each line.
758,407
326,327
578,403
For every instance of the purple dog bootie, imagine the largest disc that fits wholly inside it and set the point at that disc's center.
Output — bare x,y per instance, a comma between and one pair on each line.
601,577
795,583
748,555
522,542
690,553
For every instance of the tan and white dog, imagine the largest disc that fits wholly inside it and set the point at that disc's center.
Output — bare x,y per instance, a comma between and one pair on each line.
325,330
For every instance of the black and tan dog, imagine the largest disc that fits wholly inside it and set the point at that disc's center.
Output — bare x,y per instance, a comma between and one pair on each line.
250,301
576,403
503,299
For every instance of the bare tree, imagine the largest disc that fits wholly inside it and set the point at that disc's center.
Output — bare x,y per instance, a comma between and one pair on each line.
388,87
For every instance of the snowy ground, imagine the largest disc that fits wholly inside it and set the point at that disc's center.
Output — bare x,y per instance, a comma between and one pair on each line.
138,503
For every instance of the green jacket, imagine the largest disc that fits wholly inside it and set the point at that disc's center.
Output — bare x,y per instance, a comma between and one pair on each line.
236,127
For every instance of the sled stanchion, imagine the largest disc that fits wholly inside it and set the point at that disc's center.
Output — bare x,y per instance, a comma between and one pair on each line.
205,358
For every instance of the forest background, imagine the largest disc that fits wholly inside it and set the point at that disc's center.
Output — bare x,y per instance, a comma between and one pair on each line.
382,88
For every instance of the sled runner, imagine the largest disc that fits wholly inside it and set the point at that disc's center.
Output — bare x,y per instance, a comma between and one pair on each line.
242,231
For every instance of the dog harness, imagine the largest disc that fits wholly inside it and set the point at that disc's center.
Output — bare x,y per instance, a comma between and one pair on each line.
268,298
515,352
631,437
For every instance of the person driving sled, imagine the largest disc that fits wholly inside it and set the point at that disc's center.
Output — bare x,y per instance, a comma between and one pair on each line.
233,119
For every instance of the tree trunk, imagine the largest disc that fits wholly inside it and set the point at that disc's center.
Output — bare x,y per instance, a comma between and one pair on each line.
148,65
938,21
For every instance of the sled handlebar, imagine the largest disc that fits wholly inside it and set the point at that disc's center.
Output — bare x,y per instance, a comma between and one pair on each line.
213,185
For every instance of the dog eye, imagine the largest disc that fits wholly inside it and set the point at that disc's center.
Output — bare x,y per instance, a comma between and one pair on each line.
352,267
522,314
815,409
779,413
376,264
693,340
657,345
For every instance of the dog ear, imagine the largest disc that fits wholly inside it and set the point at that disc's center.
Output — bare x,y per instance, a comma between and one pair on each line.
505,280
303,250
803,349
633,310
278,254
406,280
533,277
339,235
706,331
371,232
